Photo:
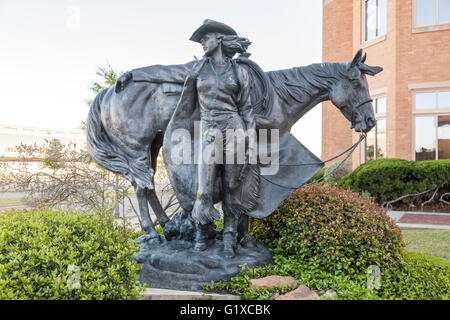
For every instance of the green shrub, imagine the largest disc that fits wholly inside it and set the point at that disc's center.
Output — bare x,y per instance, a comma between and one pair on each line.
389,179
38,248
317,176
419,277
346,287
334,229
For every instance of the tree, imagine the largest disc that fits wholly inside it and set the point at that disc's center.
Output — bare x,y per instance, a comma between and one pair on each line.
108,77
66,176
53,154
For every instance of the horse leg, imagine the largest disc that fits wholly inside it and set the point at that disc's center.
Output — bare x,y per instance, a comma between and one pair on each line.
152,199
157,208
147,223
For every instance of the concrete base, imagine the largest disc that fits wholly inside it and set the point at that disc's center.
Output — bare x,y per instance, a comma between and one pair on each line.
167,294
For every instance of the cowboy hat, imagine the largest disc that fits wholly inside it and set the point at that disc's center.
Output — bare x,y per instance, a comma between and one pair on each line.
211,26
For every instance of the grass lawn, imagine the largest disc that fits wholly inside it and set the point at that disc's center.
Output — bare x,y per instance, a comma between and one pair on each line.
434,242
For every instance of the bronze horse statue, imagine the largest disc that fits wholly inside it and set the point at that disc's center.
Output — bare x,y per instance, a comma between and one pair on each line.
127,122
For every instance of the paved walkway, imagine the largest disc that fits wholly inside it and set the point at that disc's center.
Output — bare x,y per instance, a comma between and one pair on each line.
420,220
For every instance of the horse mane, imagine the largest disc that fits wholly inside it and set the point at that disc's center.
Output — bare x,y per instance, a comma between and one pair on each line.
300,83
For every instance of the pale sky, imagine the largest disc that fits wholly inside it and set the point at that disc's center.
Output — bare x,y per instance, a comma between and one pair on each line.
51,49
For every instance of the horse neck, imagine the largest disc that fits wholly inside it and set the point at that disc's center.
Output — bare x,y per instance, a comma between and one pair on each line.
302,88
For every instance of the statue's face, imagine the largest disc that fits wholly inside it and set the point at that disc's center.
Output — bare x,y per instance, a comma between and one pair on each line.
210,43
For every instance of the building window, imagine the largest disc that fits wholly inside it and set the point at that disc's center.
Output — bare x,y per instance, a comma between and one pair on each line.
375,19
433,100
432,12
376,138
432,125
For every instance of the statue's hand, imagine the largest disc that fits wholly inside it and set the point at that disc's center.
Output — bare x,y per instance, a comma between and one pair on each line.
122,81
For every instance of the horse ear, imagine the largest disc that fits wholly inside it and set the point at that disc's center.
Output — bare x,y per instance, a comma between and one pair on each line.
356,59
371,71
363,59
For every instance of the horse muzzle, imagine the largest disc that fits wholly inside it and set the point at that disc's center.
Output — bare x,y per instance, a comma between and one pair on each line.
363,119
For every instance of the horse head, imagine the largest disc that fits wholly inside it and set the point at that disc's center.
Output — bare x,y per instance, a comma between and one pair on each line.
351,94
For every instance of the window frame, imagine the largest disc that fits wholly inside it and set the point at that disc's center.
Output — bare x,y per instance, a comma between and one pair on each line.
428,27
378,116
366,43
427,113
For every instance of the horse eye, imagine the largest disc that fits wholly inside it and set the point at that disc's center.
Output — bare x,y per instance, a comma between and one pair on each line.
355,84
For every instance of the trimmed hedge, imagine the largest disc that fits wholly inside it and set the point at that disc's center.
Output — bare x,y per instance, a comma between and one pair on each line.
38,248
389,179
337,230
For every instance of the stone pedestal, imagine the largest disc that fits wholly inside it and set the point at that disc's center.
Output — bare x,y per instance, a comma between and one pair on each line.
176,265
173,263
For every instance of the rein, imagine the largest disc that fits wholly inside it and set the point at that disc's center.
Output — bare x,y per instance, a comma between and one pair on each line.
350,150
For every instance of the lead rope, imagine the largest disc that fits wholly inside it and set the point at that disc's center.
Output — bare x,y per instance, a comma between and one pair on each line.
351,149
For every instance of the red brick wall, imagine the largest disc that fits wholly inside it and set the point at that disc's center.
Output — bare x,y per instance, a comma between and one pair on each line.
382,53
407,58
337,47
421,57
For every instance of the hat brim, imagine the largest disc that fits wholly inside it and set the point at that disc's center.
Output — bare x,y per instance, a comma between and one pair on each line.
212,27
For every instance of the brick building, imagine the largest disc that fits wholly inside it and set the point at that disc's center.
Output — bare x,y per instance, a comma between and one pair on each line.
410,39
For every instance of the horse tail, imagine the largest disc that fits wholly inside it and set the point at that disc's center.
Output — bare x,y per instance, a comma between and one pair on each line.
108,154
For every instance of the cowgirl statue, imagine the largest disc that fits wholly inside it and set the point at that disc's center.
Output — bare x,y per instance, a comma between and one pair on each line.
220,88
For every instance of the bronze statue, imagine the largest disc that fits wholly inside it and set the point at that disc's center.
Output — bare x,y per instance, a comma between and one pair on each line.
222,87
130,122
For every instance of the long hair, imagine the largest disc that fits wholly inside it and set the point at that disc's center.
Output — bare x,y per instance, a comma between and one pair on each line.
233,44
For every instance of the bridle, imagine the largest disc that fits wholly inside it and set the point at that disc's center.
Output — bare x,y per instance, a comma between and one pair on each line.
362,103
356,109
